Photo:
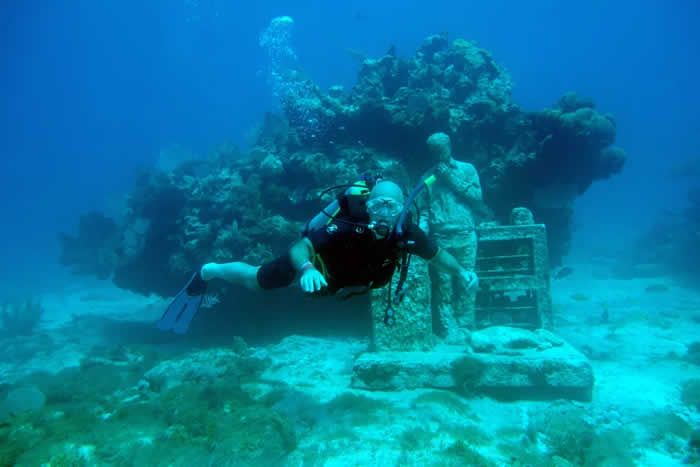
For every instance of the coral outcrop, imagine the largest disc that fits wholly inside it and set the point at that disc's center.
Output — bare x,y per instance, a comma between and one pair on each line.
93,250
251,206
666,247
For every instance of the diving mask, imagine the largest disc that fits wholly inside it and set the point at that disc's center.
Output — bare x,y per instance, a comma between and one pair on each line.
384,207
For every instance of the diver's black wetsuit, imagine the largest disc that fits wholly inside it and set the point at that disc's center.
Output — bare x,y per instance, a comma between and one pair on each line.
351,256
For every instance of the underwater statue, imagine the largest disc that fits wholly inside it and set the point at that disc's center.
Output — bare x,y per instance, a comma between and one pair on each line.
452,202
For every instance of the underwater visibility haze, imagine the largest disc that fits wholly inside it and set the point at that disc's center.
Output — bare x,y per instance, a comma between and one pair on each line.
350,233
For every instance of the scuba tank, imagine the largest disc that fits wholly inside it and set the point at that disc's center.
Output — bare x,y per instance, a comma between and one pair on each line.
352,201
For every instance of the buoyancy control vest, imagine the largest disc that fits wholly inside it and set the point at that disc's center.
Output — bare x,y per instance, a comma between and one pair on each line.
352,203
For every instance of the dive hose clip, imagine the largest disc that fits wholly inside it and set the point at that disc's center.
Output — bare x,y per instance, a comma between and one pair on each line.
389,316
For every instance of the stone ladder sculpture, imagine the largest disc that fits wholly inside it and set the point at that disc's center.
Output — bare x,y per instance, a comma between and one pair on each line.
512,265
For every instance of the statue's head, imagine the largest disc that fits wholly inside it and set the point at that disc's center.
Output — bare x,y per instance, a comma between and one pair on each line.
439,147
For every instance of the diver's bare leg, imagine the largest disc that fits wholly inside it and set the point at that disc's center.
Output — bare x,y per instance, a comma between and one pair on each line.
237,273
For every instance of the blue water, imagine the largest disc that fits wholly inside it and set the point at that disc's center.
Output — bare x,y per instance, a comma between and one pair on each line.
93,90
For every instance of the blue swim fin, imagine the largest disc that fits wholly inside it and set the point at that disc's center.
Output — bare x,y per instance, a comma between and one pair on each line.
179,314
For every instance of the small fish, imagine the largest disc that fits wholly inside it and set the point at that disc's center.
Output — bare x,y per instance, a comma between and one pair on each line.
579,297
563,272
657,288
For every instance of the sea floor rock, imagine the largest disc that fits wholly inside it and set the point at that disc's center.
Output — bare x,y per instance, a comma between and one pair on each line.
505,363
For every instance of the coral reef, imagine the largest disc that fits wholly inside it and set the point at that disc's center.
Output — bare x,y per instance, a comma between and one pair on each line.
663,248
250,207
568,433
106,413
282,405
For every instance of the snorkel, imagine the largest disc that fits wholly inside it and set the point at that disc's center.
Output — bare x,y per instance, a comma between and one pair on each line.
407,205
389,313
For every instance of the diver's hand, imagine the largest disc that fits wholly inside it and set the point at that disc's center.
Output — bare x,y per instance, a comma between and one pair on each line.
312,280
471,279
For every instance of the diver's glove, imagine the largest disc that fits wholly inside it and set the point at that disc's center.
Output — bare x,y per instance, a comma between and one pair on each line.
311,279
471,280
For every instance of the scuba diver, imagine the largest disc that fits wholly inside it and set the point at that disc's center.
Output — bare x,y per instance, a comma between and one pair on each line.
357,241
